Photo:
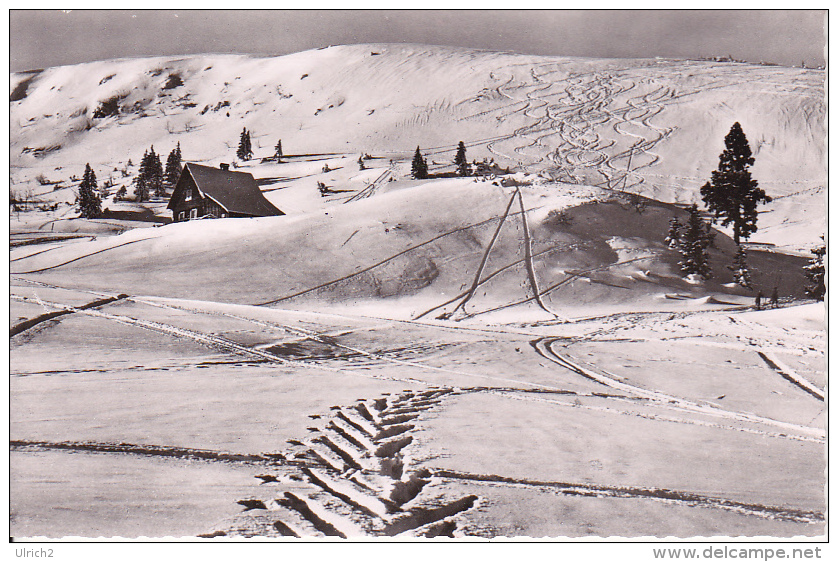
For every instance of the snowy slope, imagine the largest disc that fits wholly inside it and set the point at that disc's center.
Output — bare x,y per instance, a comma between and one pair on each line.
581,121
415,248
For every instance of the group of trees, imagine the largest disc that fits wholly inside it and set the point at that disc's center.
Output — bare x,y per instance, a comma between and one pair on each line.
151,178
419,166
245,150
732,196
692,240
174,163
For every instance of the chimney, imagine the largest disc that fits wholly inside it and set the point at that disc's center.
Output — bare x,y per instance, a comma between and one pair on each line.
224,166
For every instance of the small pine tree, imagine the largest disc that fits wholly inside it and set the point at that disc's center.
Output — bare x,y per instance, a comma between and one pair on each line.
695,239
731,194
173,166
741,272
419,166
460,160
90,206
816,273
278,150
361,164
121,193
673,237
244,152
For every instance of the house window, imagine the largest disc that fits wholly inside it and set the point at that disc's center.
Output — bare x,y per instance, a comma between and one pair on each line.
187,196
181,215
223,215
193,213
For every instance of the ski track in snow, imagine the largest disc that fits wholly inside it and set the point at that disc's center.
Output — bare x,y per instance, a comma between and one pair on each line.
565,122
544,348
354,476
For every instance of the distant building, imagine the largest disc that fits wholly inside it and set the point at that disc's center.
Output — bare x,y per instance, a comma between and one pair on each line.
205,192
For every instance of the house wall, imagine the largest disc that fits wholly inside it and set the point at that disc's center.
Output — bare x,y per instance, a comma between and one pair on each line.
183,207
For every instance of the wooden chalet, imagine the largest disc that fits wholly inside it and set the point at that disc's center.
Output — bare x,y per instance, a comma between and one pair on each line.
206,192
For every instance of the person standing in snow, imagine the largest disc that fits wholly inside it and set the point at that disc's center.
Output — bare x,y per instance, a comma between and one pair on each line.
758,301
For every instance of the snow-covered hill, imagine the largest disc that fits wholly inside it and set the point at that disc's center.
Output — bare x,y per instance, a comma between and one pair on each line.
653,127
515,354
416,250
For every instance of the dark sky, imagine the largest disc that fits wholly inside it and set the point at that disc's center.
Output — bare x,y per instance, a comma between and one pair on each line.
41,38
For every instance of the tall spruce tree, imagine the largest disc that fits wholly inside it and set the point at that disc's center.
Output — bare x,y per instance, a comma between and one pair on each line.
460,160
155,174
695,239
731,195
419,166
244,152
141,190
173,166
90,206
816,273
278,150
740,269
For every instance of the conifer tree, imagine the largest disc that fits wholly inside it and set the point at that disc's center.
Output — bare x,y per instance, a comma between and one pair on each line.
673,237
695,239
278,150
90,206
816,273
154,174
245,152
731,195
141,190
741,272
419,166
460,160
361,164
173,166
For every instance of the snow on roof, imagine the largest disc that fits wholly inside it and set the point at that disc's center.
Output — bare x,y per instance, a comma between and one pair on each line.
235,191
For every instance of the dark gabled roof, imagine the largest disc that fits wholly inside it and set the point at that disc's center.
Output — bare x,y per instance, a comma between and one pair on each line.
237,192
